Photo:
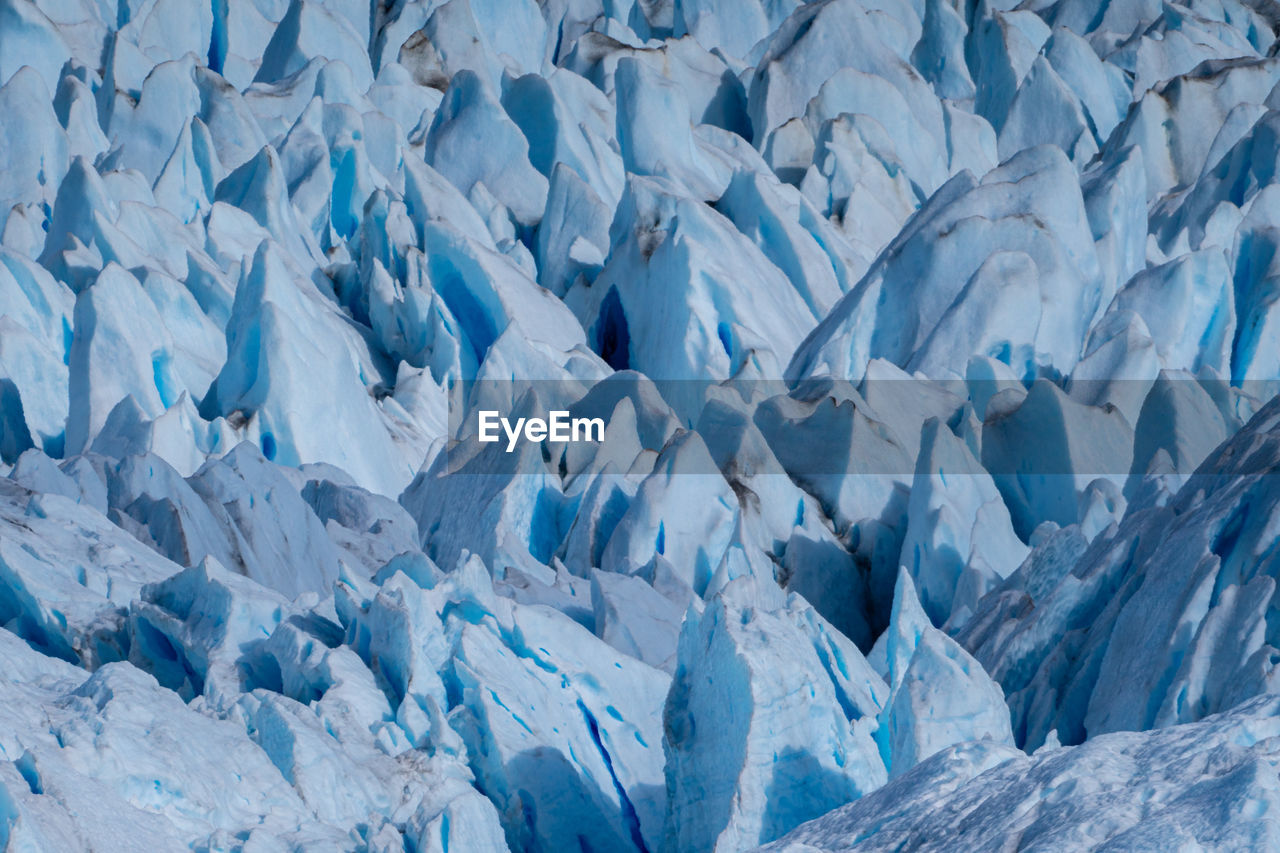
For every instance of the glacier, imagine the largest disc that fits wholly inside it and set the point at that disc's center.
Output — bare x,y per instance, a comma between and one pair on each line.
938,351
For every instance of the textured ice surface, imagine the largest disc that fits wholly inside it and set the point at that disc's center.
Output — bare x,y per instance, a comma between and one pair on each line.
936,505
1205,785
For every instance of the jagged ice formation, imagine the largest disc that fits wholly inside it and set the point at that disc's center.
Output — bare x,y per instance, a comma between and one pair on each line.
936,505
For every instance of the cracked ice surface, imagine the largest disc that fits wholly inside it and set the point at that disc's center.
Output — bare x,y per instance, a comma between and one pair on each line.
934,343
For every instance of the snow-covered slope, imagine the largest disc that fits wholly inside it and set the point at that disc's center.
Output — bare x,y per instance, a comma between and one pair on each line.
933,344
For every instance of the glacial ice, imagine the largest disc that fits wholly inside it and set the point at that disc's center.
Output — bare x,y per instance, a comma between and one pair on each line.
769,719
936,346
939,695
1135,790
